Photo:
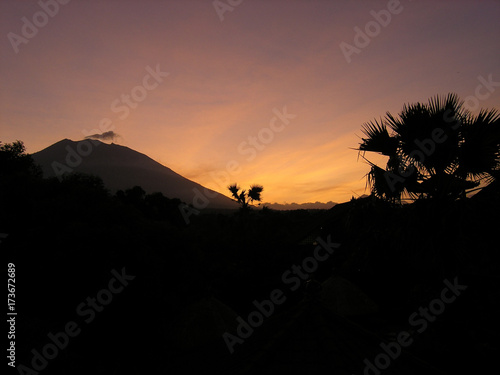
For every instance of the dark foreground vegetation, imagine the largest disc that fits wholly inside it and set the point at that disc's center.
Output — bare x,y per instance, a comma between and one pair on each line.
191,281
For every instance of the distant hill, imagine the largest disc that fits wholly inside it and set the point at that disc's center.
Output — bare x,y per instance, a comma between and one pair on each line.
301,206
122,168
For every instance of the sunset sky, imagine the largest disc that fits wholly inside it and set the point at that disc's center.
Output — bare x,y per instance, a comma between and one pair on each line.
230,70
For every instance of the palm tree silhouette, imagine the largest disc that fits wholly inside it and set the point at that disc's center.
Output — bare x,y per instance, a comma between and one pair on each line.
435,150
245,198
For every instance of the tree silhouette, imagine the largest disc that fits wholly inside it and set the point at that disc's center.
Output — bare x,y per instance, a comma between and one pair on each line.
435,150
245,198
15,161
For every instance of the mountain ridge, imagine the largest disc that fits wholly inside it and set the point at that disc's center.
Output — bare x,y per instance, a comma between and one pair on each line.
121,167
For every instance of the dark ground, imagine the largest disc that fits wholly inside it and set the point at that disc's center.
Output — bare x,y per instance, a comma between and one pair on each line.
191,281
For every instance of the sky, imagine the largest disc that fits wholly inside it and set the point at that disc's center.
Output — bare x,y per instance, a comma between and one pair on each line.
271,92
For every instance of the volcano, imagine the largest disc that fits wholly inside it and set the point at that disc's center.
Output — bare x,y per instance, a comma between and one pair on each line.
122,168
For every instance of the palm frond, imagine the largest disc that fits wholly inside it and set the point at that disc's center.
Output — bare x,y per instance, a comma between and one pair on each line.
378,139
479,152
254,192
234,188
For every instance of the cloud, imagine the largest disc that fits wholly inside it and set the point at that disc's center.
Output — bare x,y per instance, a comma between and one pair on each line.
106,136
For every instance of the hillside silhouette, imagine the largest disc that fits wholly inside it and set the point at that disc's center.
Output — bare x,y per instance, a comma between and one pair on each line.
123,168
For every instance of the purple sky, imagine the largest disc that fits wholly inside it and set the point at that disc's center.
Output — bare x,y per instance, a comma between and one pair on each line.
229,78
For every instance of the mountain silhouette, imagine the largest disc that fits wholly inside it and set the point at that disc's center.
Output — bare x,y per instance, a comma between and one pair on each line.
122,168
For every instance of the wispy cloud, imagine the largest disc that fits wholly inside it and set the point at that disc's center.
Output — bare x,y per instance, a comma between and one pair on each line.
106,136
